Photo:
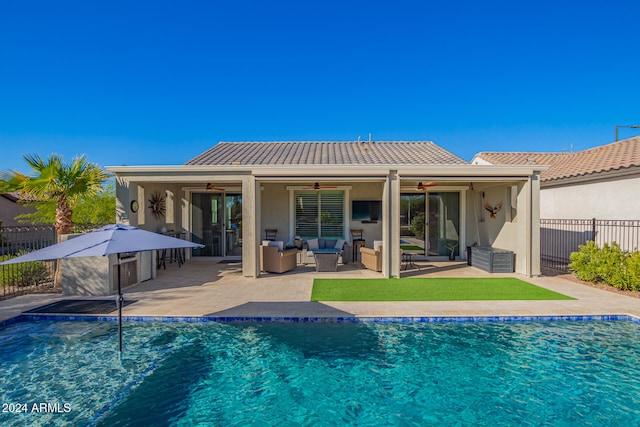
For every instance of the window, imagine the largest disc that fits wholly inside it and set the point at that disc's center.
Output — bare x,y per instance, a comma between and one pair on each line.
319,214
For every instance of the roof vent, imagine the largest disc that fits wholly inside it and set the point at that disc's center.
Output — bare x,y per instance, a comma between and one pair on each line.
361,144
364,145
531,161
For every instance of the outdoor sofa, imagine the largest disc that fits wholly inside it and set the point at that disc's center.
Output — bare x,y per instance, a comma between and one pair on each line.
308,246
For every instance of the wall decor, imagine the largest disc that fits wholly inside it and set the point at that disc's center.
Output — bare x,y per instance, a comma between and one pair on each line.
493,210
157,205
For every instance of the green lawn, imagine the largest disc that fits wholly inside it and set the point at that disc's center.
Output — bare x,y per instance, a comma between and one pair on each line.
411,248
430,289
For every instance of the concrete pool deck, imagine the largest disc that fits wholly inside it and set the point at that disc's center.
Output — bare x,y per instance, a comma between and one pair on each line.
204,287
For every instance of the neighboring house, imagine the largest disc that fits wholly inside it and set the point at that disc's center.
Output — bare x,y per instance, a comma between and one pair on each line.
10,208
229,195
17,235
600,182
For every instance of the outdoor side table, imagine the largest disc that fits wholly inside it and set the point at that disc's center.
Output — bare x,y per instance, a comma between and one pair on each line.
326,259
408,262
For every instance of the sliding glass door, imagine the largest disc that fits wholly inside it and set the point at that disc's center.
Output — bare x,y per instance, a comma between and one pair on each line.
412,222
444,224
233,229
207,223
216,220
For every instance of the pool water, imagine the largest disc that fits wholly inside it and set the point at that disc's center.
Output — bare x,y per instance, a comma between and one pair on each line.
322,374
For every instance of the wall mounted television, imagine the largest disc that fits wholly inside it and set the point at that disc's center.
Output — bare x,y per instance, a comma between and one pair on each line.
366,210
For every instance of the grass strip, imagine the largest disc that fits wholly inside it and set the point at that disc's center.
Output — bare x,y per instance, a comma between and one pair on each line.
411,248
430,289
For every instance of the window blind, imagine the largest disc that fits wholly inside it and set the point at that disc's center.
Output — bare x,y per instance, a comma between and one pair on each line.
319,213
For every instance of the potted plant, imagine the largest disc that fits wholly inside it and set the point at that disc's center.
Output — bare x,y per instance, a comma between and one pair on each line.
451,245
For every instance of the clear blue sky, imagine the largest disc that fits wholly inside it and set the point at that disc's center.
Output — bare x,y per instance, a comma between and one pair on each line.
158,82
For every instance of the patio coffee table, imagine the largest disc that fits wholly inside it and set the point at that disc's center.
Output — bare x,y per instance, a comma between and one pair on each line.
326,259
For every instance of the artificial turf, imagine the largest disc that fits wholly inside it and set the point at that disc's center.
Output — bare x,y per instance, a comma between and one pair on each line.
430,289
411,248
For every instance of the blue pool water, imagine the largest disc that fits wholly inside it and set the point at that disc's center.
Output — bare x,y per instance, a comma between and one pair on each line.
322,374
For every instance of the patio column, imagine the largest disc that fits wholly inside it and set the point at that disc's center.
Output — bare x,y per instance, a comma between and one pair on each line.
533,235
250,226
391,229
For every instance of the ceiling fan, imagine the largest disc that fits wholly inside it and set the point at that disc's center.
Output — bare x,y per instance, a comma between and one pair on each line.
213,187
317,186
422,186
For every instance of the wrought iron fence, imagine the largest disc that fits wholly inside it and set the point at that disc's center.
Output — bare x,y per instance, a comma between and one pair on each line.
560,237
21,278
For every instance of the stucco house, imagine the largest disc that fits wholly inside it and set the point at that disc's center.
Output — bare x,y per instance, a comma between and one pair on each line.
586,195
10,208
230,195
600,182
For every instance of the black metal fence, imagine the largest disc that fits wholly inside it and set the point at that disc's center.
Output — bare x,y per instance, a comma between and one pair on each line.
22,278
27,277
560,237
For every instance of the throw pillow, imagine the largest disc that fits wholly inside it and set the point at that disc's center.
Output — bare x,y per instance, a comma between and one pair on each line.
313,244
339,244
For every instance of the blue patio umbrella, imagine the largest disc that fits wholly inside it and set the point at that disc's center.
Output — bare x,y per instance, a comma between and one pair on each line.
111,239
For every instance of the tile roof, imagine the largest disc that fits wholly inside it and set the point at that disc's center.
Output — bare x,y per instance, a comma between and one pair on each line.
14,197
520,158
611,157
327,153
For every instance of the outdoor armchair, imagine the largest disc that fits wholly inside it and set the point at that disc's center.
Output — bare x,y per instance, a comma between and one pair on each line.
371,259
273,260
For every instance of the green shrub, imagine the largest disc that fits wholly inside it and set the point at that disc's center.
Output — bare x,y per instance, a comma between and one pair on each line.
584,262
417,226
609,265
633,271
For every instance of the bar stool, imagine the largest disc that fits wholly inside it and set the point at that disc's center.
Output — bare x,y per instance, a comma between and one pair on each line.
270,234
161,258
358,241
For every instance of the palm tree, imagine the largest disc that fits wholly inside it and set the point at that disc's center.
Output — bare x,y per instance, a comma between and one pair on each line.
56,181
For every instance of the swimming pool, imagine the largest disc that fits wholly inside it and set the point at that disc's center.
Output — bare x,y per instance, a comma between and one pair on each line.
497,373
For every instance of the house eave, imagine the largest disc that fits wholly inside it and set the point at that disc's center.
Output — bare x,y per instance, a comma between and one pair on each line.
591,177
435,171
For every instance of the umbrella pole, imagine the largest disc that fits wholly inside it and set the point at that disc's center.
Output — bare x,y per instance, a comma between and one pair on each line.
119,302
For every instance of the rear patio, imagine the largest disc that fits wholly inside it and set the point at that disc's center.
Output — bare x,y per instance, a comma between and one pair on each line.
205,287
387,194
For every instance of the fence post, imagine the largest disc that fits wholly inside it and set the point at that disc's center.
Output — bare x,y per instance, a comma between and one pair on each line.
593,229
